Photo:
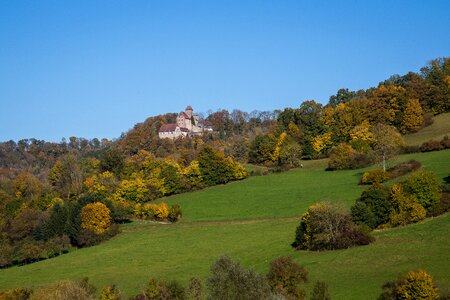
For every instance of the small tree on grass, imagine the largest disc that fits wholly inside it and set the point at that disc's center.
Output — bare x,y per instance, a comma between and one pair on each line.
284,277
387,142
406,209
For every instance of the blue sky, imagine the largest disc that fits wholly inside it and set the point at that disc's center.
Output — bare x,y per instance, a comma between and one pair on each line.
95,68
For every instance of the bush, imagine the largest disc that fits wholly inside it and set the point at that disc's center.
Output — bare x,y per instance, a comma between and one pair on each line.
406,209
65,289
87,237
325,227
376,176
229,281
404,168
373,207
111,293
194,290
320,291
415,285
175,213
344,157
284,277
425,187
16,294
431,145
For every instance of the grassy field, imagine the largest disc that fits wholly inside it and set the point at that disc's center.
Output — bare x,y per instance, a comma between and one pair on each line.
254,221
436,131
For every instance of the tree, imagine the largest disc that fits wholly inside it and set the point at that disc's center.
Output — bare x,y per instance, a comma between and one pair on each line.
416,285
373,207
195,289
327,227
96,217
284,277
425,187
405,208
229,281
342,96
413,116
387,142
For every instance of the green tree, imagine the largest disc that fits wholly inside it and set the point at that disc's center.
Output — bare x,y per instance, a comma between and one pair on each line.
387,142
425,187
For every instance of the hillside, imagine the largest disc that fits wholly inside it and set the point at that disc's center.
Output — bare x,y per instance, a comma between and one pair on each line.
436,131
254,221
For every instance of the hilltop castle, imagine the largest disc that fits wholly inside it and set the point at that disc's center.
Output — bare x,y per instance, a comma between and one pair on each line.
187,125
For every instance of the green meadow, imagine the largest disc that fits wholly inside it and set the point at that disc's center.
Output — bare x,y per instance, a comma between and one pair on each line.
254,221
436,131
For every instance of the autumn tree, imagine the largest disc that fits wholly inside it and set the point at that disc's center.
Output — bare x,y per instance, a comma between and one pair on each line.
284,277
405,208
96,217
387,142
413,116
415,285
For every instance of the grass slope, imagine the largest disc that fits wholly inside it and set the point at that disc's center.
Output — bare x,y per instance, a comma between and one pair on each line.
254,221
436,131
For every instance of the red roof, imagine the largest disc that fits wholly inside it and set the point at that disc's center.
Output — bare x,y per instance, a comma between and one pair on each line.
185,114
168,127
171,128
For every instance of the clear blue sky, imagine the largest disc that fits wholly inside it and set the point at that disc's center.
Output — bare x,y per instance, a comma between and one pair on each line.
95,68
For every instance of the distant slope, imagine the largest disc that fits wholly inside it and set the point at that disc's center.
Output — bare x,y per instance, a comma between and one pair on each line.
435,131
254,221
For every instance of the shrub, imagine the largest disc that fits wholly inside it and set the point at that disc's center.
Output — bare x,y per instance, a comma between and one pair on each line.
230,281
65,289
320,291
175,213
373,207
376,176
152,211
431,145
406,209
425,187
403,168
442,207
445,142
16,294
194,290
326,227
284,277
415,286
96,217
111,293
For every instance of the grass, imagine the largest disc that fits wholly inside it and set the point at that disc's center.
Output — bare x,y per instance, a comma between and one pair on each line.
254,221
436,131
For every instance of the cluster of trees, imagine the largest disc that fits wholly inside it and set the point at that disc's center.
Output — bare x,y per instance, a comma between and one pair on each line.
32,235
328,227
405,202
228,281
42,218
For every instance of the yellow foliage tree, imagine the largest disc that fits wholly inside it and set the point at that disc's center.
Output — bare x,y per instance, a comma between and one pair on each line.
96,217
413,116
417,285
321,142
101,183
406,209
276,153
362,132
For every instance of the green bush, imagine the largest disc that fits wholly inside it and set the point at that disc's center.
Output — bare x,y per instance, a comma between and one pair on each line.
425,187
284,277
376,176
373,207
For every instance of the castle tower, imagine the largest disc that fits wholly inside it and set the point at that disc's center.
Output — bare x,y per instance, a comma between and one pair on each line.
189,110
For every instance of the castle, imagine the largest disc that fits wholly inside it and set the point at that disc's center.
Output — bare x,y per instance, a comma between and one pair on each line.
187,125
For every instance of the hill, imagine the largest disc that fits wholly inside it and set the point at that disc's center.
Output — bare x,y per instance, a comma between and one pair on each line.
254,221
436,131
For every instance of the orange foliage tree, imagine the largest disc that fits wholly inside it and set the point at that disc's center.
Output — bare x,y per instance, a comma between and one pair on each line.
96,217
